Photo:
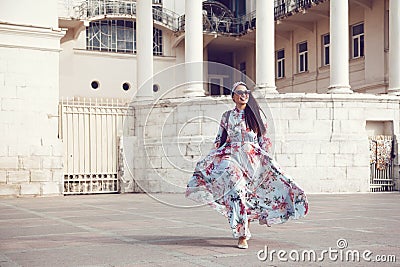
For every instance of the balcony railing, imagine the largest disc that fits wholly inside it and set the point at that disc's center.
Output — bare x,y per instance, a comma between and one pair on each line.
285,8
231,26
93,9
281,9
166,17
226,26
246,23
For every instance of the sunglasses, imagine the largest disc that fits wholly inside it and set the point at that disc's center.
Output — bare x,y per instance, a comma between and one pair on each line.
242,92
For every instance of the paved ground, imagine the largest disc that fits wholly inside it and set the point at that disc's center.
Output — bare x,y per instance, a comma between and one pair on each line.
137,230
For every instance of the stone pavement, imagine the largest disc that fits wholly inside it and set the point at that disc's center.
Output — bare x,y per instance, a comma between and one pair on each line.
139,230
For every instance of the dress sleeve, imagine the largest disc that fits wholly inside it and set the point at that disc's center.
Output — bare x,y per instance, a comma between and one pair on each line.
222,126
264,141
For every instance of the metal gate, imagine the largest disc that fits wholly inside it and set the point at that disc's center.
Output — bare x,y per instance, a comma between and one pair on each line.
90,130
381,163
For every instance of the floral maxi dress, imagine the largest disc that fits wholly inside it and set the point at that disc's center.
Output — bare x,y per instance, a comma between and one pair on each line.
242,181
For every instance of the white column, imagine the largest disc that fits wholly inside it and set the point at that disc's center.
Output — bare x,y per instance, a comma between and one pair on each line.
339,47
394,45
265,47
144,46
194,48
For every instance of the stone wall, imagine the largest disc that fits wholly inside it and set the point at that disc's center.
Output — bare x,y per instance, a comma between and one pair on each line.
319,139
31,155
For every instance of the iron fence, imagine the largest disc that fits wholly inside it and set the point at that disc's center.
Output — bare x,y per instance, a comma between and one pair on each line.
89,130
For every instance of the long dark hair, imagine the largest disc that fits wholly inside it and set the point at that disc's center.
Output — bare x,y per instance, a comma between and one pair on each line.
252,113
253,117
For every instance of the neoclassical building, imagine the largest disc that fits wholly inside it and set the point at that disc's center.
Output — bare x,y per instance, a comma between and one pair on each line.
124,96
291,37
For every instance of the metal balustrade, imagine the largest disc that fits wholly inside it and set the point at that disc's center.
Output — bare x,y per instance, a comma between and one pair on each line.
225,24
281,9
97,9
247,23
166,17
286,8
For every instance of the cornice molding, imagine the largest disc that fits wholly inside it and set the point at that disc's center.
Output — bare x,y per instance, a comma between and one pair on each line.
30,30
30,37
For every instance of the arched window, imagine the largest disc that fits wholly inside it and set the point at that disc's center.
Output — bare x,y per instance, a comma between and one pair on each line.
118,36
111,36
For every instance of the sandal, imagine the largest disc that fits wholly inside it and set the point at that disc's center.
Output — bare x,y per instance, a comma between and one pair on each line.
243,244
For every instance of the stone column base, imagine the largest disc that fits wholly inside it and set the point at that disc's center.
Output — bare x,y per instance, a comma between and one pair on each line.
395,91
340,89
264,89
194,90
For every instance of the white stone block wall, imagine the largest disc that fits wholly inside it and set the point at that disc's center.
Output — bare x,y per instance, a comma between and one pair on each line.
31,156
320,140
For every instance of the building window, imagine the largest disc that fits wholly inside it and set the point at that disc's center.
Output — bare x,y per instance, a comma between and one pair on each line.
118,36
325,49
111,36
357,36
280,64
303,57
216,85
157,42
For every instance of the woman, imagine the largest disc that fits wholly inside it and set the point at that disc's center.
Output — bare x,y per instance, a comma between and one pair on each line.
239,178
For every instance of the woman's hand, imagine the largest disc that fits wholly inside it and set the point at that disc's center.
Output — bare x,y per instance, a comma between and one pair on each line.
217,145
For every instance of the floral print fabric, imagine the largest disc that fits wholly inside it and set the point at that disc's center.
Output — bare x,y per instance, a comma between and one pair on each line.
380,148
241,181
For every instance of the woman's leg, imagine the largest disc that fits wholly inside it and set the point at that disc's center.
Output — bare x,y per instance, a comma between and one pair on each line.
236,203
237,214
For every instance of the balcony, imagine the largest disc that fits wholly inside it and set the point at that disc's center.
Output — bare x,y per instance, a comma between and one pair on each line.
217,18
100,9
285,8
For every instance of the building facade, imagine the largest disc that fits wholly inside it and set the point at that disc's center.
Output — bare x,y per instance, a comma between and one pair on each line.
324,69
301,44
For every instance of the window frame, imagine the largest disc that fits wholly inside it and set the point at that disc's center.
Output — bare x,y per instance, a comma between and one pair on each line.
157,42
118,36
219,80
303,54
325,47
280,64
360,38
106,35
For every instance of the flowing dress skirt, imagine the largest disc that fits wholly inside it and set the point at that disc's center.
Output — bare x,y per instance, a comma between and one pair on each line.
241,181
